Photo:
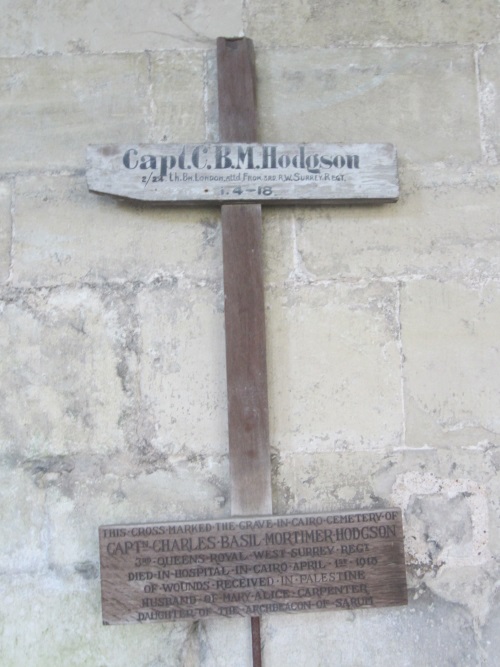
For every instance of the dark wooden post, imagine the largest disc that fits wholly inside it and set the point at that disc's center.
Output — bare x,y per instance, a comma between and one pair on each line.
249,454
349,174
244,297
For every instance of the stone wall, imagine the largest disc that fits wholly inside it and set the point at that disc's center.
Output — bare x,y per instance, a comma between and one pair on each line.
383,321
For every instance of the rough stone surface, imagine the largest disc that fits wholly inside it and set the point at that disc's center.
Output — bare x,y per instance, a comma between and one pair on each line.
335,369
450,338
444,226
411,637
23,529
65,235
177,83
5,230
59,369
182,339
382,321
73,27
113,491
488,61
426,99
52,107
43,631
318,23
490,636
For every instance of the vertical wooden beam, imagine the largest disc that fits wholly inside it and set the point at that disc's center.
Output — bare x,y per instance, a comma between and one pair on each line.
256,642
237,90
248,418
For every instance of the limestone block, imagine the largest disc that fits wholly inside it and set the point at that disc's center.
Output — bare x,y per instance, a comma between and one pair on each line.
129,488
489,62
278,245
472,462
59,383
447,537
5,230
178,94
334,368
23,528
120,25
53,107
330,481
316,23
50,619
493,493
223,643
490,635
450,343
452,517
382,637
183,379
444,226
354,95
65,234
451,514
327,481
449,499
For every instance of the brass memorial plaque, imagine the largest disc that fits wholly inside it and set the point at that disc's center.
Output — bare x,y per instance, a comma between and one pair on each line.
252,566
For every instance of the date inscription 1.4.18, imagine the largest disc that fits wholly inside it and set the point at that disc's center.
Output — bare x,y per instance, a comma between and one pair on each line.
266,173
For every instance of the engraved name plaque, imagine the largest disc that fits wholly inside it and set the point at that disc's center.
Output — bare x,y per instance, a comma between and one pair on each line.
252,566
255,173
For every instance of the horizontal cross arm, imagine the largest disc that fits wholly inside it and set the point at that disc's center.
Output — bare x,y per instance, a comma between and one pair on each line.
220,173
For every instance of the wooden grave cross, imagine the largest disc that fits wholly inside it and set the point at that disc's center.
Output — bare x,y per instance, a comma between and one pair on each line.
268,564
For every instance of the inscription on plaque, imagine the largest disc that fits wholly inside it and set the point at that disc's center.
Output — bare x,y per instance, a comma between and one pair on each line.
266,173
252,566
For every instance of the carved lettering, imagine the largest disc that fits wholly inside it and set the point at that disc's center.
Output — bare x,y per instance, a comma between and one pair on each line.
168,572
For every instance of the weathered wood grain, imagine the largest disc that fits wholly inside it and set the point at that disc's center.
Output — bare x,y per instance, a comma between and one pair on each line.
249,566
248,420
245,172
161,572
237,90
249,453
